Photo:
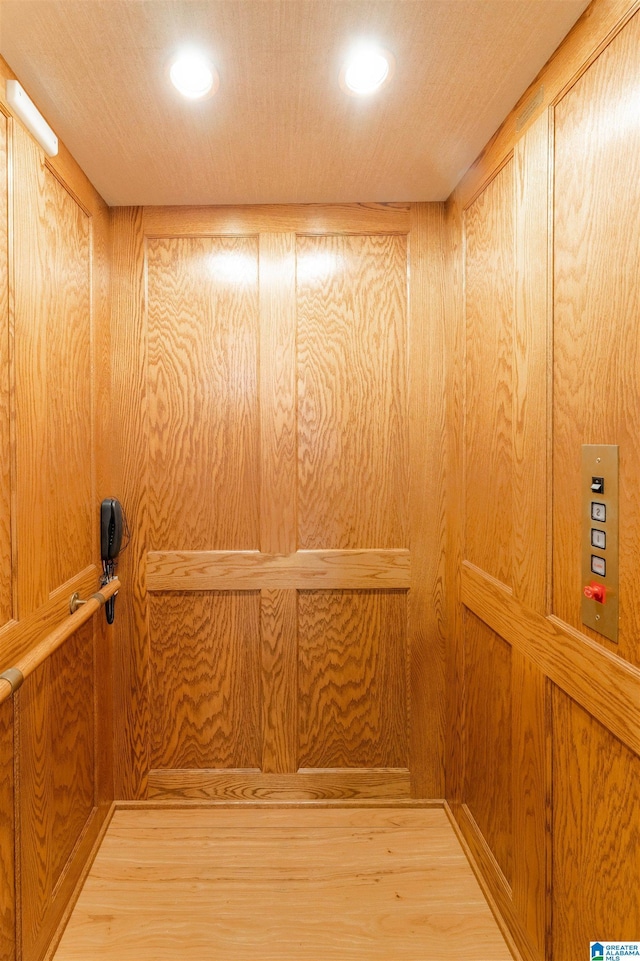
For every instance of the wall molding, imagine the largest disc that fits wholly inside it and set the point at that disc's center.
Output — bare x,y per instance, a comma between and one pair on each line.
603,684
305,785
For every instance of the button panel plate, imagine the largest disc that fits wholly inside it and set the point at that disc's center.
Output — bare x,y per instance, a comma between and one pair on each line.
600,537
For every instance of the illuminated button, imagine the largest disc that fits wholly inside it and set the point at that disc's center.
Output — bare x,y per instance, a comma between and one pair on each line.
596,592
598,539
598,511
598,565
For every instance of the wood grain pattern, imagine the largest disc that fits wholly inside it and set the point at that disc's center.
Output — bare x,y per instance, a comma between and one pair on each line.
103,421
7,840
597,192
278,498
238,570
604,684
488,739
352,392
205,680
427,493
317,785
594,30
576,254
328,813
330,884
279,480
277,218
531,517
479,868
517,759
504,501
531,794
366,502
71,881
65,299
30,331
203,393
489,310
17,638
130,413
454,504
52,363
6,560
57,780
494,884
352,690
37,655
54,269
531,784
279,637
596,798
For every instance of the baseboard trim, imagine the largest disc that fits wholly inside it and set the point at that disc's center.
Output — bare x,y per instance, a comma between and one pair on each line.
222,804
86,852
305,785
492,885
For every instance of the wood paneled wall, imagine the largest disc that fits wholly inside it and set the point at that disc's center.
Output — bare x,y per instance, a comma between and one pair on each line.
306,400
57,784
56,773
7,835
271,404
6,594
544,247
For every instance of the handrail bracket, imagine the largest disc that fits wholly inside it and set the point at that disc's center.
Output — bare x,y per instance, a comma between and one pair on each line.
14,677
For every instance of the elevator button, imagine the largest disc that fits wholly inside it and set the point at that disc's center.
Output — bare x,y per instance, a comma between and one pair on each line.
598,511
596,592
598,539
598,565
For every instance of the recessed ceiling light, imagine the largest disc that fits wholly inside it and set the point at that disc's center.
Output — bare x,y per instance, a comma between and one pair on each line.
193,75
366,70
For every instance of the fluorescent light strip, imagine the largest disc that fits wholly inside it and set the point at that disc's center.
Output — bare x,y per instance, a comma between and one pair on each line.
31,117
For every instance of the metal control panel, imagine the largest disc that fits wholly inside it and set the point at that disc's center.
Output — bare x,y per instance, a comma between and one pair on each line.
600,600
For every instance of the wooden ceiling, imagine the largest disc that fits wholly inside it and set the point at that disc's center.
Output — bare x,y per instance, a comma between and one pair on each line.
280,129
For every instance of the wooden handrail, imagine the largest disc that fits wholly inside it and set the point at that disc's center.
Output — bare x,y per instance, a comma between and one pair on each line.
11,679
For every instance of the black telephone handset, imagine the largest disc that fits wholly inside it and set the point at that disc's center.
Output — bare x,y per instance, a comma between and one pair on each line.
113,525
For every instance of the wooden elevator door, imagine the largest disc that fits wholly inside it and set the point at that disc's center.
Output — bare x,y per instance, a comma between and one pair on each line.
269,491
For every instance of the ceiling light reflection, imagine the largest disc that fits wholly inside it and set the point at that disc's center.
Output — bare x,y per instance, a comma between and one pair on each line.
233,267
319,266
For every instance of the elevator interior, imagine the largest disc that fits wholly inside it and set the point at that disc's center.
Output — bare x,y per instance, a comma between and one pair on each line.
379,458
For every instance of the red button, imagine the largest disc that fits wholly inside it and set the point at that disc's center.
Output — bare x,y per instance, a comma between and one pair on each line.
596,591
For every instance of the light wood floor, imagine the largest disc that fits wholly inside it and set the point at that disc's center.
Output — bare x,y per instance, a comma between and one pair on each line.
281,884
